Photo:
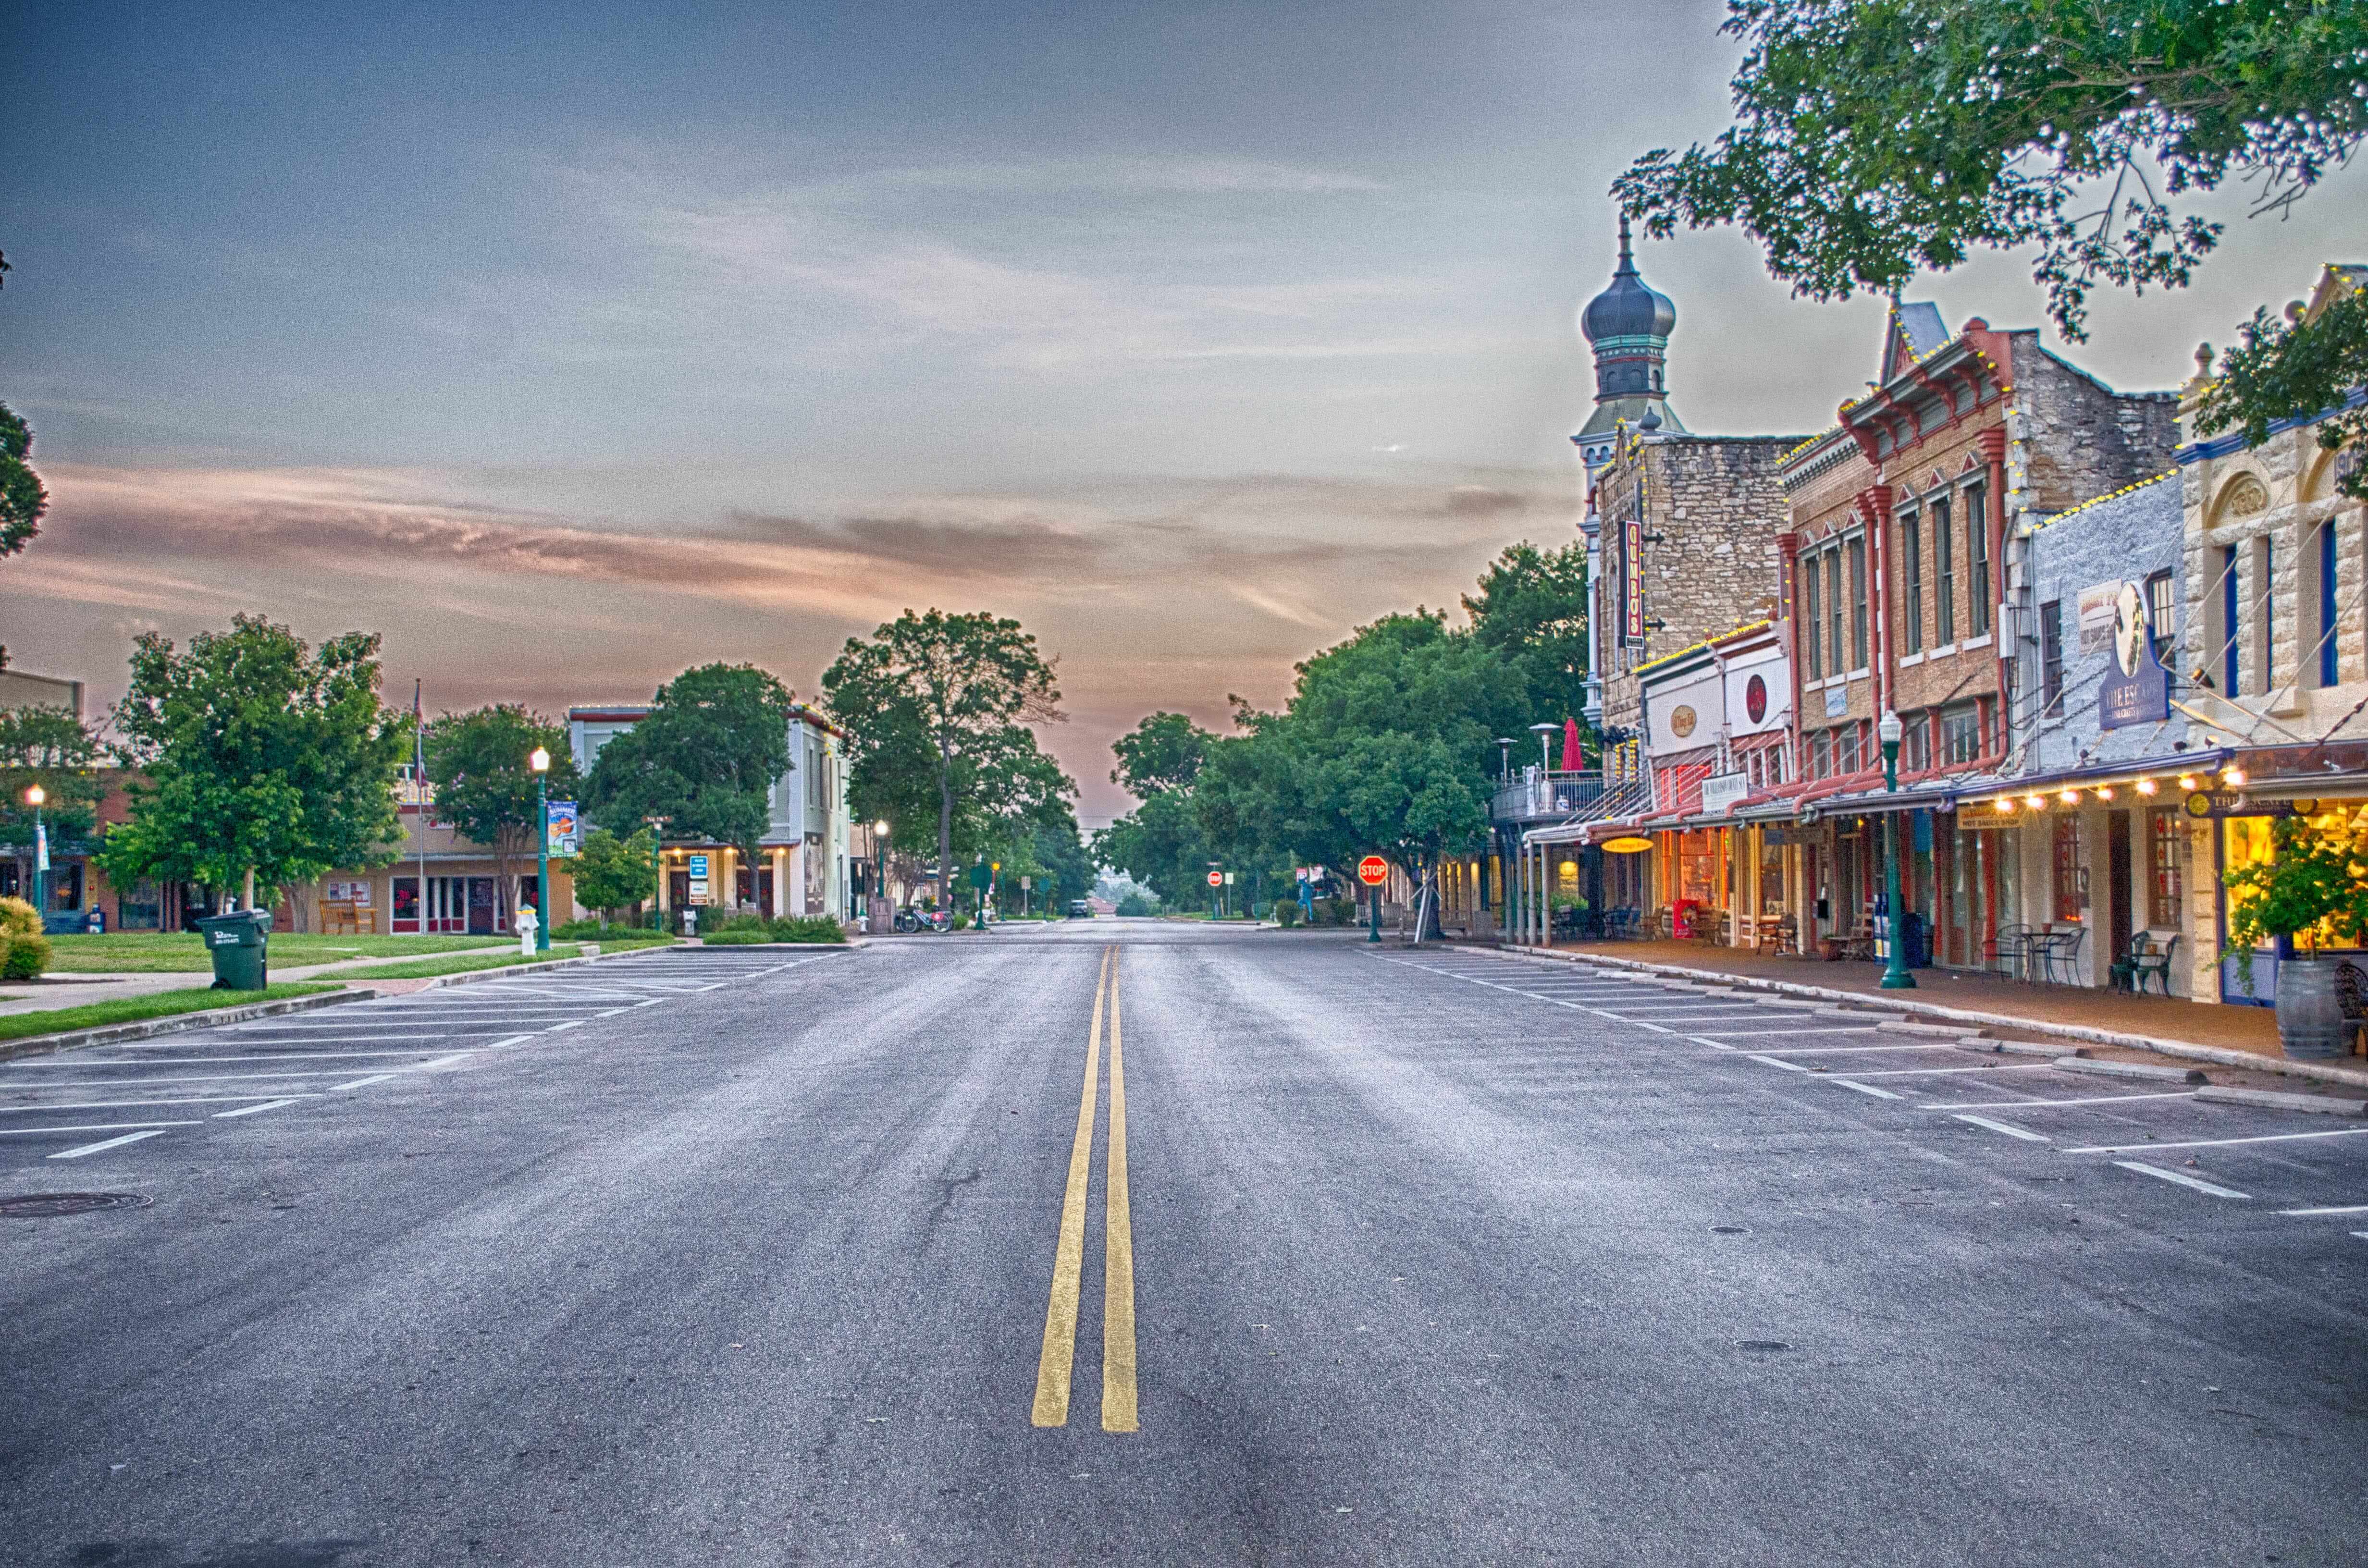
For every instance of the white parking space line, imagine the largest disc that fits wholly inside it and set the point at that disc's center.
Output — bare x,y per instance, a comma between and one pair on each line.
514,1039
125,1104
255,1110
1773,1061
1771,1034
2012,1130
109,1144
2182,1178
1846,1050
142,1080
1869,1089
2217,1142
2037,1103
90,1127
2342,1209
1936,1071
444,1061
363,1083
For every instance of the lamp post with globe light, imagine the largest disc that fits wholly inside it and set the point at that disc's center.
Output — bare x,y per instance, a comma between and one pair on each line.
34,796
1894,970
879,843
540,760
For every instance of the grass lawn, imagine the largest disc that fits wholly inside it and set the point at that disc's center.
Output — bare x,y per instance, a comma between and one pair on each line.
155,1005
155,952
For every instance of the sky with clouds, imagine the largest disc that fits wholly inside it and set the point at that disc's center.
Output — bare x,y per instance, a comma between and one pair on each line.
568,345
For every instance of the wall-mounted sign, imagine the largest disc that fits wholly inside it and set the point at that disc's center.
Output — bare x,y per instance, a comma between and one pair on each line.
1682,721
1755,699
2217,803
2136,688
1631,554
1721,790
2097,604
1836,701
1627,844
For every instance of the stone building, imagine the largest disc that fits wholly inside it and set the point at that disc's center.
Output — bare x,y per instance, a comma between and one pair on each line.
1681,528
2273,655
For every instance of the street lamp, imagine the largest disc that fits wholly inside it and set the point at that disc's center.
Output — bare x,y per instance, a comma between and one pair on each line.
1545,734
657,869
1895,973
1504,757
540,760
34,796
879,843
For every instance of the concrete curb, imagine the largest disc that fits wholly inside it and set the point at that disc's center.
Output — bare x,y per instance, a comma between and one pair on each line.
2143,1072
2316,1071
174,1023
509,972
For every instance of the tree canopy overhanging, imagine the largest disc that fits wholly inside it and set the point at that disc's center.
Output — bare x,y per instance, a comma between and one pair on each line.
1875,140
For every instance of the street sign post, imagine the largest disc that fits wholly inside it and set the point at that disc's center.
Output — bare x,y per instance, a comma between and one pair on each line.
1216,879
1373,871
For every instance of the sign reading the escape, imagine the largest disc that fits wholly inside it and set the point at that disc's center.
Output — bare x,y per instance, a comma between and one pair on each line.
2137,689
1373,871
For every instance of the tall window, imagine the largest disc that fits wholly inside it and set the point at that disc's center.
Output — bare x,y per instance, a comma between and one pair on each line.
1821,755
1944,575
2162,609
2067,869
2051,654
1857,602
1978,596
2165,854
1961,733
1846,749
2327,602
1915,742
1834,612
2264,598
2229,624
1813,640
1910,534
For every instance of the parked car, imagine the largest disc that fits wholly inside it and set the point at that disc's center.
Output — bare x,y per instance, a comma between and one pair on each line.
1080,910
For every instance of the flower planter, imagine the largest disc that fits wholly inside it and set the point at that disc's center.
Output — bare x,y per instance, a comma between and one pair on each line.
2310,1013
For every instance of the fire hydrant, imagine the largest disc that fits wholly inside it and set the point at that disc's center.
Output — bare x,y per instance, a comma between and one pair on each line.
526,923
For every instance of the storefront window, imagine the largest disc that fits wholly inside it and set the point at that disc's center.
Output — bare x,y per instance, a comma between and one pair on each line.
2166,846
2068,889
142,908
406,903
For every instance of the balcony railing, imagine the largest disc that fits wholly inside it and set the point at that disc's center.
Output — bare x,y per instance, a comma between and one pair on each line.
1542,794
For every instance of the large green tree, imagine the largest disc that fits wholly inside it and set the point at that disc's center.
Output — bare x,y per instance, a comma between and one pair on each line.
613,872
478,761
260,759
22,498
939,707
1532,610
1160,842
1878,139
707,757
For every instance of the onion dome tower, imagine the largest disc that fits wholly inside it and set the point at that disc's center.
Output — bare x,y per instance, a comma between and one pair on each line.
1628,327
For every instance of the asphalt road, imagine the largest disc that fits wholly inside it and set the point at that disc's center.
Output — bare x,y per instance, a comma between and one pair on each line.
753,1255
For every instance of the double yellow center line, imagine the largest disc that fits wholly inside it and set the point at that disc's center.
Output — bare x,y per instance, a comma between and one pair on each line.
1054,1367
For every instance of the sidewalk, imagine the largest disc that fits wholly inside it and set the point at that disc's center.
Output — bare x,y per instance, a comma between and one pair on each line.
81,989
2231,1036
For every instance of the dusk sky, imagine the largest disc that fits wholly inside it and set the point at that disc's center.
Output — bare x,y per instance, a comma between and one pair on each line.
569,345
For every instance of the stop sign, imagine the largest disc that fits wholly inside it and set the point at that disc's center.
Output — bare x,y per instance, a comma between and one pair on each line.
1373,871
1216,879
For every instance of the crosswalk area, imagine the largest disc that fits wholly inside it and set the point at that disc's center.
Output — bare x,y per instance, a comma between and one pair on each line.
82,1104
2157,1128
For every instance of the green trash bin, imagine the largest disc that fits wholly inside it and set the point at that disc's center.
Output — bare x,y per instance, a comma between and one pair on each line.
238,943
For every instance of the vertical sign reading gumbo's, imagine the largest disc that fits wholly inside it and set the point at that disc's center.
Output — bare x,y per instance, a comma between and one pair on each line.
1632,552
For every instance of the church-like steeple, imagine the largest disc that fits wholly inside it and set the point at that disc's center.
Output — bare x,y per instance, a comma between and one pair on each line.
1627,326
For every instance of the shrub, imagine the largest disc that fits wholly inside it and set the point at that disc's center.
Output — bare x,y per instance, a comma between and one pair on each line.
23,952
1286,914
595,931
741,937
807,928
1135,903
960,921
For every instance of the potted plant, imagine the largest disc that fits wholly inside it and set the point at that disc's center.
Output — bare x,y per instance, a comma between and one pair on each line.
2315,883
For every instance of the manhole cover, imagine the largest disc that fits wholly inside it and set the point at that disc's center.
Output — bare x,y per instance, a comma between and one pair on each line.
44,1205
1730,1230
1762,1344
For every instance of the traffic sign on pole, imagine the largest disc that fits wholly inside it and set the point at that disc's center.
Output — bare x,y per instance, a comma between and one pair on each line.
1373,871
1216,879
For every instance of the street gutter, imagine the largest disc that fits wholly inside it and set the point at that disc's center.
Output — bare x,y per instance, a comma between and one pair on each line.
2316,1071
174,1023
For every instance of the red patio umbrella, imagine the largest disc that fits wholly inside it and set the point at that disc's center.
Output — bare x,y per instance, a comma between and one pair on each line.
1571,759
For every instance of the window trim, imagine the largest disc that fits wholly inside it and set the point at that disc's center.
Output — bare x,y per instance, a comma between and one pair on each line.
1977,558
1911,580
1944,577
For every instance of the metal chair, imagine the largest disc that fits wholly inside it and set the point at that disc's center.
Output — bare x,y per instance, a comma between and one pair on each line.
2061,949
2352,992
2150,961
2009,952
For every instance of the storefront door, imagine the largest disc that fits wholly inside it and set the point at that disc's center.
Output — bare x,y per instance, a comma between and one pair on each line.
481,906
2119,883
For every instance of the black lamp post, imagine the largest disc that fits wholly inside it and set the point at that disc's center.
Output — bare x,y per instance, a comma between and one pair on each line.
1895,973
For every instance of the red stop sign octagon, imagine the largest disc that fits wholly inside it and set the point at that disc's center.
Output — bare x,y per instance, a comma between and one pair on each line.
1373,871
1216,879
